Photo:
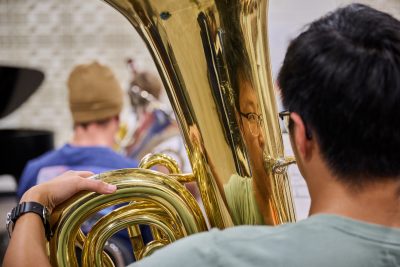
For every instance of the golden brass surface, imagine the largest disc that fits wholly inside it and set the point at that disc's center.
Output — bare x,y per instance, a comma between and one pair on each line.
152,246
170,164
214,61
155,198
151,160
278,166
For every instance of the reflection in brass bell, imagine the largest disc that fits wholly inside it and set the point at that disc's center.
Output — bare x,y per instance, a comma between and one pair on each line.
214,62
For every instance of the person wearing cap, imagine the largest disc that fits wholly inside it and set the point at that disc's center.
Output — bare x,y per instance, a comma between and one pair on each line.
95,101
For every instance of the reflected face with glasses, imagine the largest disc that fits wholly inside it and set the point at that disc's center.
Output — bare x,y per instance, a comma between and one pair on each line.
250,123
255,122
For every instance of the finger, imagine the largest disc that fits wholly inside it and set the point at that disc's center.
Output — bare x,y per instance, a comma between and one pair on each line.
97,186
84,174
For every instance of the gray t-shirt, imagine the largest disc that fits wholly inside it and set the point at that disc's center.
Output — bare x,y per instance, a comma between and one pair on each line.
321,240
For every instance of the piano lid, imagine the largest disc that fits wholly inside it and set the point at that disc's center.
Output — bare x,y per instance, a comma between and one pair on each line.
16,86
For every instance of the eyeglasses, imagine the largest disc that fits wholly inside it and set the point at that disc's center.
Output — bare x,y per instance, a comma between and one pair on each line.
255,122
285,117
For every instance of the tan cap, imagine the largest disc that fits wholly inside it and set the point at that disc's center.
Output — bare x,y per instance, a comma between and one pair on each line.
94,93
149,82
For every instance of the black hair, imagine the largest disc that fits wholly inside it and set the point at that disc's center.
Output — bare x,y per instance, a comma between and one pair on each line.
238,63
342,76
101,122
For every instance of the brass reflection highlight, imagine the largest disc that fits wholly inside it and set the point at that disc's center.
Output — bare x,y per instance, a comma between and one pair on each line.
214,62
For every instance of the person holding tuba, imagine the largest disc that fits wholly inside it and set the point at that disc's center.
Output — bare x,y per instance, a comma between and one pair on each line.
340,83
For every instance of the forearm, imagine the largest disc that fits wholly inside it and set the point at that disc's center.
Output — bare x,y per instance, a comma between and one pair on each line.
27,246
28,243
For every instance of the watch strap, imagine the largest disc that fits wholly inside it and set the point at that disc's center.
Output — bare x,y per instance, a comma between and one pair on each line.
35,207
26,207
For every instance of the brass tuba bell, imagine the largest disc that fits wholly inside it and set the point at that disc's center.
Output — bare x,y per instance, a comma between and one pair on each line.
213,58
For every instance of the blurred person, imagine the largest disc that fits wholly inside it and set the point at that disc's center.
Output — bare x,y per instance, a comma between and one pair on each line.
340,84
95,101
157,130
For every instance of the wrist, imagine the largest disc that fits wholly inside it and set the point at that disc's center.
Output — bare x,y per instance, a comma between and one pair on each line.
25,208
36,194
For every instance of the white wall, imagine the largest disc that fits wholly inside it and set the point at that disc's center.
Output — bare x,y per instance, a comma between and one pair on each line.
288,17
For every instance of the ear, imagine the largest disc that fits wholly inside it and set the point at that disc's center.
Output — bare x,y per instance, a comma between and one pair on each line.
298,130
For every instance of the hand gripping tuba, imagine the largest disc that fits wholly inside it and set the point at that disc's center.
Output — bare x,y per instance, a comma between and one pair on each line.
213,58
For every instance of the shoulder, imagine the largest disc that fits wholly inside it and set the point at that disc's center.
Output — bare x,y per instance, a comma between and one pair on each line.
189,251
119,159
236,246
48,158
322,240
112,159
100,156
29,175
231,247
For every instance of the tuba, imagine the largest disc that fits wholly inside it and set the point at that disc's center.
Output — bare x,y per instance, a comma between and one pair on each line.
213,58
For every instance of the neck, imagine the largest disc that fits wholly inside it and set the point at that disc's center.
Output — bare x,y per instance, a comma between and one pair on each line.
91,136
377,203
372,202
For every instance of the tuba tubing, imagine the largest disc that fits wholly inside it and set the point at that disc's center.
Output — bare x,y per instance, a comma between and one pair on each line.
213,58
155,198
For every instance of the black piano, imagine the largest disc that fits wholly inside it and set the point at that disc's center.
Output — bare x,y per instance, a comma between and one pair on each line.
17,146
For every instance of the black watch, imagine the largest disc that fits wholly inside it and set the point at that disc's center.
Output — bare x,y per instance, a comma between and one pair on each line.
26,207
